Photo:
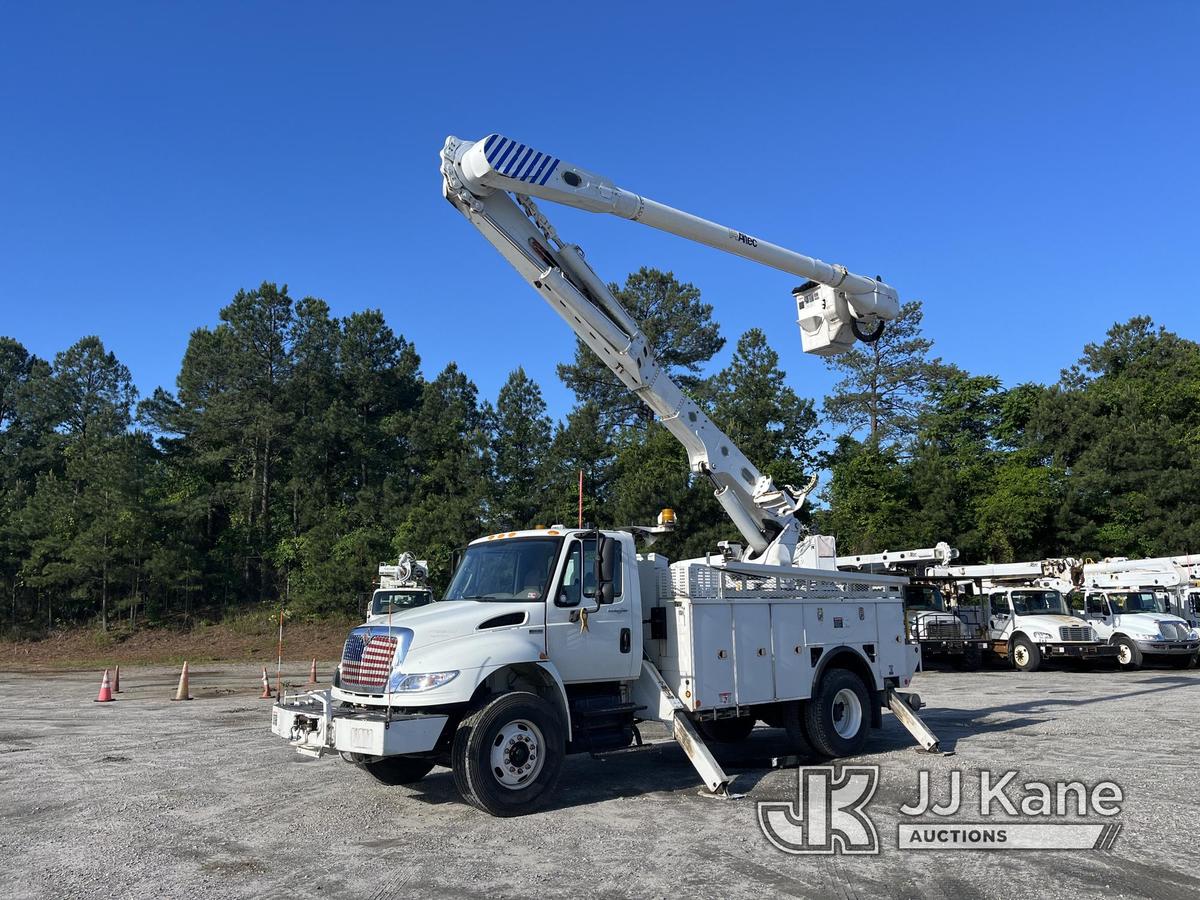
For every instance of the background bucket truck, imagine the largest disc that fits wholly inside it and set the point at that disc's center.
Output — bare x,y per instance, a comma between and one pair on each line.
1142,607
1028,619
559,640
941,629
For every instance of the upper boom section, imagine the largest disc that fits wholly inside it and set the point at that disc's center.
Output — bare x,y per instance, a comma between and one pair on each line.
499,163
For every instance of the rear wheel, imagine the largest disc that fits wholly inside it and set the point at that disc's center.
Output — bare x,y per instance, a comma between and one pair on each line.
837,716
1026,657
507,755
726,731
396,769
1129,657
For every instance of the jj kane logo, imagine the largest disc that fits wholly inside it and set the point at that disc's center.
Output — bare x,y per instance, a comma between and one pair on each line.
829,814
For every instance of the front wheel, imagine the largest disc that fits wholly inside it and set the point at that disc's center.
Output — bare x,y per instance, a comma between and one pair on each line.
396,769
1129,657
1183,662
1026,657
508,754
837,716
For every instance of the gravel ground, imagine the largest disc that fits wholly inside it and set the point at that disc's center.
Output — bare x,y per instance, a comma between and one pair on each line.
146,797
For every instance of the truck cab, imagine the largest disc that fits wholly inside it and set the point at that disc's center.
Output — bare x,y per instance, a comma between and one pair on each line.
1030,625
1139,624
939,630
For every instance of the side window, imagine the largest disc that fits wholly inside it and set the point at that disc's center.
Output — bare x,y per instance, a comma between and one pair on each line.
569,594
579,576
1076,600
1096,605
589,569
999,604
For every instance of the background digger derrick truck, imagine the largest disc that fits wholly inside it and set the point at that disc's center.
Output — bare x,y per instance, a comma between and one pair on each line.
942,630
562,639
1028,619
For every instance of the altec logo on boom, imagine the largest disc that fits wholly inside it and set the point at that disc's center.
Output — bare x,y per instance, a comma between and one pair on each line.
830,814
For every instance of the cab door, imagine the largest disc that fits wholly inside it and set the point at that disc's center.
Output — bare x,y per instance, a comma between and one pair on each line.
600,645
1099,615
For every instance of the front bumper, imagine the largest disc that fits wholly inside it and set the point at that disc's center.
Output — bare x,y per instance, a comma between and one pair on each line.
1172,648
1073,650
314,726
950,646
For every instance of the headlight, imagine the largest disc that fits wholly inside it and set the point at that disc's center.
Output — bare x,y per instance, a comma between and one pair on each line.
1042,636
402,683
1194,634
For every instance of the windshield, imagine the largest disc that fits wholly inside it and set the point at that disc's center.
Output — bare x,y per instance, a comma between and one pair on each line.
505,570
1026,603
386,602
1136,602
923,596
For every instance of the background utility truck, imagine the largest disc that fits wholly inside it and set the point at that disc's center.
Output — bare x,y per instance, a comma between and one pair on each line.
943,631
401,586
1176,579
562,639
1028,619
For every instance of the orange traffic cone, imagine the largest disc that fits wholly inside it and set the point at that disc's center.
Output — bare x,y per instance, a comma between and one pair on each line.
105,695
266,694
312,673
181,692
117,680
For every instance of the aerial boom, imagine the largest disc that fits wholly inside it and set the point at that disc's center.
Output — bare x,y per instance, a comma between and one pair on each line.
491,182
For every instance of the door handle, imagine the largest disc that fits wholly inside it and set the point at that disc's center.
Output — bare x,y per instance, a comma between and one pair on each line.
626,638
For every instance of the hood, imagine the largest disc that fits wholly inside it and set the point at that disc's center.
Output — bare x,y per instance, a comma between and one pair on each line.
1151,617
1053,620
932,616
446,620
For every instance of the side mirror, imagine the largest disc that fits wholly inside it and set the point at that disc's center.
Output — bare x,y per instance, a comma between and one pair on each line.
606,551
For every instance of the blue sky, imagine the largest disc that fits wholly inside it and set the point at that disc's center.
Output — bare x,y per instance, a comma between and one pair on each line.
1027,170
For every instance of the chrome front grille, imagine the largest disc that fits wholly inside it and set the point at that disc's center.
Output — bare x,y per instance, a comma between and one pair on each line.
1173,631
1075,633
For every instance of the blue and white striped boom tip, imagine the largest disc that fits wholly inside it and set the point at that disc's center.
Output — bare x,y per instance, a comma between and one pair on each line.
518,161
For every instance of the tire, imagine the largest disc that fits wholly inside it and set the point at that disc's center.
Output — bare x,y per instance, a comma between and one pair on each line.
972,658
518,732
1129,657
793,725
397,769
838,715
1183,662
1025,655
726,731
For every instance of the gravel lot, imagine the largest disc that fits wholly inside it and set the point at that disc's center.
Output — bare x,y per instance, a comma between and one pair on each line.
145,797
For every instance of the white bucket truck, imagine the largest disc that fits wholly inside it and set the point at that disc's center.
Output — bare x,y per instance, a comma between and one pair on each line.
942,629
1028,619
1141,607
403,585
561,640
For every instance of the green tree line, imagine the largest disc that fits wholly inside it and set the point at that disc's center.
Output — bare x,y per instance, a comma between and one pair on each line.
298,450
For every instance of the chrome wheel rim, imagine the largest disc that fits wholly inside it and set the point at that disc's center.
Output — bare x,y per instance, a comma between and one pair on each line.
847,713
517,754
